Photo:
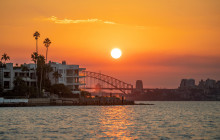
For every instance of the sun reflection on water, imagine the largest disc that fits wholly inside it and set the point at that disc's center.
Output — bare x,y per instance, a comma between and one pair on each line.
116,122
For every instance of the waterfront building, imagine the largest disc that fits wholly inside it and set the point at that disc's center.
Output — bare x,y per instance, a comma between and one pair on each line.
8,74
201,84
210,83
71,76
187,84
218,84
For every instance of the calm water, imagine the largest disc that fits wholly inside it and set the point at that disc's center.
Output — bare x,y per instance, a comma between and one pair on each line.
164,120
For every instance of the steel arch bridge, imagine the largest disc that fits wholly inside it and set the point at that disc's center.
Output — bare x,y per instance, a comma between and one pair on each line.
116,84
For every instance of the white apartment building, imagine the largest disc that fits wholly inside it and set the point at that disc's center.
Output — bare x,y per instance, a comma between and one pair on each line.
8,73
71,76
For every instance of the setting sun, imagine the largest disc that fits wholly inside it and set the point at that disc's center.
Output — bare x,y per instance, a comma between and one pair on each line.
116,53
161,40
110,69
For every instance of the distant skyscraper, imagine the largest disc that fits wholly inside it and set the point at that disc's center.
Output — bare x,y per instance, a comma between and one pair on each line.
201,84
209,83
218,84
187,83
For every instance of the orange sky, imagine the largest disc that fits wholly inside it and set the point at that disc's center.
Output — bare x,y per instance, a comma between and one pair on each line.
162,41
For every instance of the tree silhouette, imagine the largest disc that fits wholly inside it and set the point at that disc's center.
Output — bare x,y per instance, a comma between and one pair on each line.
5,57
25,69
36,35
34,57
61,90
40,66
47,43
20,88
48,69
56,75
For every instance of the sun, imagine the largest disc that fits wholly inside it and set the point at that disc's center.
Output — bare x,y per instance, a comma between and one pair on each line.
116,53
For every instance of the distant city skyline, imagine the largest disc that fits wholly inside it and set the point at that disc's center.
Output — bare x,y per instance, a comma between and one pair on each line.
161,41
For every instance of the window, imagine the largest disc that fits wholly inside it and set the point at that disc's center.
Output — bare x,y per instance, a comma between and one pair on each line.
33,84
32,75
60,71
61,79
69,72
6,74
22,74
16,74
6,84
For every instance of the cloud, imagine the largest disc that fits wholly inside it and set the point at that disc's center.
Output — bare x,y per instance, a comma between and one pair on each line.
70,21
93,20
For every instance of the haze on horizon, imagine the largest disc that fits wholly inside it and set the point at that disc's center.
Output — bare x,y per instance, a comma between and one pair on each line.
162,41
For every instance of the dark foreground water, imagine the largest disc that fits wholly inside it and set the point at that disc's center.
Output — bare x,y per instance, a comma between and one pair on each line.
164,120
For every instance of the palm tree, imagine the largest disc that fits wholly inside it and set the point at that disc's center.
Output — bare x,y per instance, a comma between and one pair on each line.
47,43
40,65
47,69
36,35
56,75
5,57
34,57
25,69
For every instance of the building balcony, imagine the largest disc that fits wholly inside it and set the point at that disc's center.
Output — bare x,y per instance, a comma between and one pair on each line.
81,69
7,76
6,79
28,79
75,75
76,92
79,76
69,75
79,83
69,83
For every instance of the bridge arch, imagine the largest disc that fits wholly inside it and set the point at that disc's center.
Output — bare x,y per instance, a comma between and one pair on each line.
116,83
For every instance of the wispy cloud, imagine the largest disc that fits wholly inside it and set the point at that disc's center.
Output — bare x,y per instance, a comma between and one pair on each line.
71,21
55,19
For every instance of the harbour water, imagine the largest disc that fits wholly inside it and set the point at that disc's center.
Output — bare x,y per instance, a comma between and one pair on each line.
163,120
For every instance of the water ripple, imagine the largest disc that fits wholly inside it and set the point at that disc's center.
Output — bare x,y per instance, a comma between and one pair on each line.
164,121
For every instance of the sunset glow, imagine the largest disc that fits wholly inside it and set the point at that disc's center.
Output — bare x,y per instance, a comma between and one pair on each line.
160,39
